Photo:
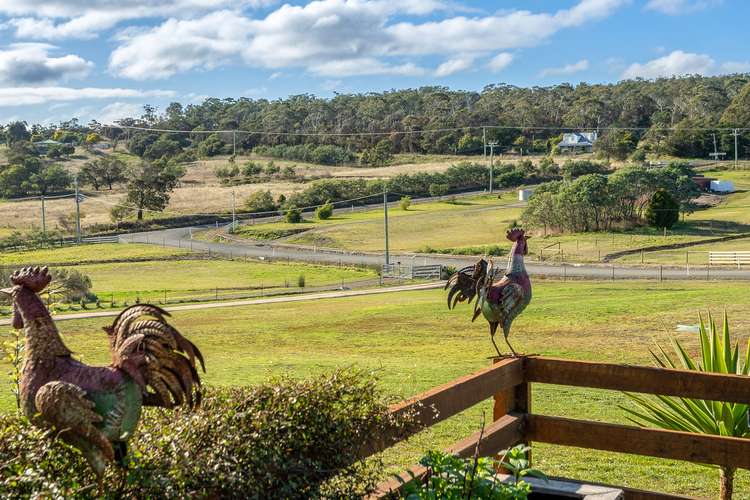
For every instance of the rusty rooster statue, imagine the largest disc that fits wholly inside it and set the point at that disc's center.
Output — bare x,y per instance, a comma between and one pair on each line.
502,296
97,408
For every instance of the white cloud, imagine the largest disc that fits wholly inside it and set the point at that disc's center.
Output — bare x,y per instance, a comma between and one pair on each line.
178,46
456,65
736,67
679,7
364,66
58,19
674,64
331,85
500,62
568,69
499,32
333,37
22,96
118,110
31,64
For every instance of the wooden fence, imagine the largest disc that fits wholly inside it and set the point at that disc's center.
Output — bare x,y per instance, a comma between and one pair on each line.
729,258
509,382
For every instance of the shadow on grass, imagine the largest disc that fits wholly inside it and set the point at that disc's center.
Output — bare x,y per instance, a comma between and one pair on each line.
710,227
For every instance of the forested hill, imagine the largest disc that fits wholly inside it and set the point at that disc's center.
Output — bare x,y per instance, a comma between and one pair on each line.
695,106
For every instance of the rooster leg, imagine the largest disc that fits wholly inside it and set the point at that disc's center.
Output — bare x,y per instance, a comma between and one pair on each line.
511,347
493,329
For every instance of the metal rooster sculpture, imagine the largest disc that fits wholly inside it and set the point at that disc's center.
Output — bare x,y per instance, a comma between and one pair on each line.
97,408
502,297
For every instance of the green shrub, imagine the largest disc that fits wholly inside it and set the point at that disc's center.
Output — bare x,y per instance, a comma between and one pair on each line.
452,478
251,169
260,201
272,168
577,168
438,189
405,202
324,212
282,439
301,281
293,215
663,211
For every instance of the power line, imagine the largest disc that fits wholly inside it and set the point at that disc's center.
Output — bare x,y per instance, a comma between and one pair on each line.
234,132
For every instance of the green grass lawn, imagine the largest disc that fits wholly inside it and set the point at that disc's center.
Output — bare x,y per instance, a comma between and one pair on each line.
89,253
413,343
183,277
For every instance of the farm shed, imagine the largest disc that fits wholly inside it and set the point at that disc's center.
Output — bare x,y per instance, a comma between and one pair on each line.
719,186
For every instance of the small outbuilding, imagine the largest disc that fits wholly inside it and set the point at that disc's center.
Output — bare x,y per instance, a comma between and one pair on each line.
525,194
719,186
704,183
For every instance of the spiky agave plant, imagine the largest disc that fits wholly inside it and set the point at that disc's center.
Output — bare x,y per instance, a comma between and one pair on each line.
697,415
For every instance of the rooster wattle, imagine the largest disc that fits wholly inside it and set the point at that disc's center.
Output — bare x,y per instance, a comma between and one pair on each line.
501,295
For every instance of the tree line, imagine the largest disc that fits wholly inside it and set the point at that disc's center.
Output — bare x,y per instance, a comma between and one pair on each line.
414,120
598,202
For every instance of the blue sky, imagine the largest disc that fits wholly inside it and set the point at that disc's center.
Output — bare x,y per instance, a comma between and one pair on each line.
104,59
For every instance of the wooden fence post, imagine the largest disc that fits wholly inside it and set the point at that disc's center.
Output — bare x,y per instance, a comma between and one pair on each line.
514,400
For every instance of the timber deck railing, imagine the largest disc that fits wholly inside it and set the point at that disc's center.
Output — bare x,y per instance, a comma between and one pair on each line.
509,382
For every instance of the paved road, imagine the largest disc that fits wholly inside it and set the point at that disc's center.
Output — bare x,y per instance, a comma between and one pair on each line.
180,238
251,302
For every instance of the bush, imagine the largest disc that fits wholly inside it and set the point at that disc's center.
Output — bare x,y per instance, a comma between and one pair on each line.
251,169
272,168
282,439
405,202
301,281
663,210
577,168
377,156
260,201
325,154
324,212
452,478
74,286
438,189
293,215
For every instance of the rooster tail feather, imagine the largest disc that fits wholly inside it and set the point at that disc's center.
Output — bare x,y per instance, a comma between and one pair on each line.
156,356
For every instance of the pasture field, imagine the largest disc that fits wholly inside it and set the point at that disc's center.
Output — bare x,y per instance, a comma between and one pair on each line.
90,253
149,272
478,220
413,342
196,278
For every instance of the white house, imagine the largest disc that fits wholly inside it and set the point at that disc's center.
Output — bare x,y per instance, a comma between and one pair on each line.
577,142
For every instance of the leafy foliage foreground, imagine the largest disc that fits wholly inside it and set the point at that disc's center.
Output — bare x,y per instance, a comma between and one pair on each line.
282,439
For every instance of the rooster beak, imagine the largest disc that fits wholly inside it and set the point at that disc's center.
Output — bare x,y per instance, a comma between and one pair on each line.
7,291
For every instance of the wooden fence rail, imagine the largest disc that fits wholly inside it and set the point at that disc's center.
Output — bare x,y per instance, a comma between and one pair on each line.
509,381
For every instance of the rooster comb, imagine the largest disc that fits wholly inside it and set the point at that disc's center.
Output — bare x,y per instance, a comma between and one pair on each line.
515,233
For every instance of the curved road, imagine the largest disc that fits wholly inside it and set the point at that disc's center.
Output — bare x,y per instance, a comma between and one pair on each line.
181,238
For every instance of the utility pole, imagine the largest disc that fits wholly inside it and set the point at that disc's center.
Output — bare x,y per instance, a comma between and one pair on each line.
492,146
44,218
385,224
78,213
234,143
234,213
736,134
484,141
